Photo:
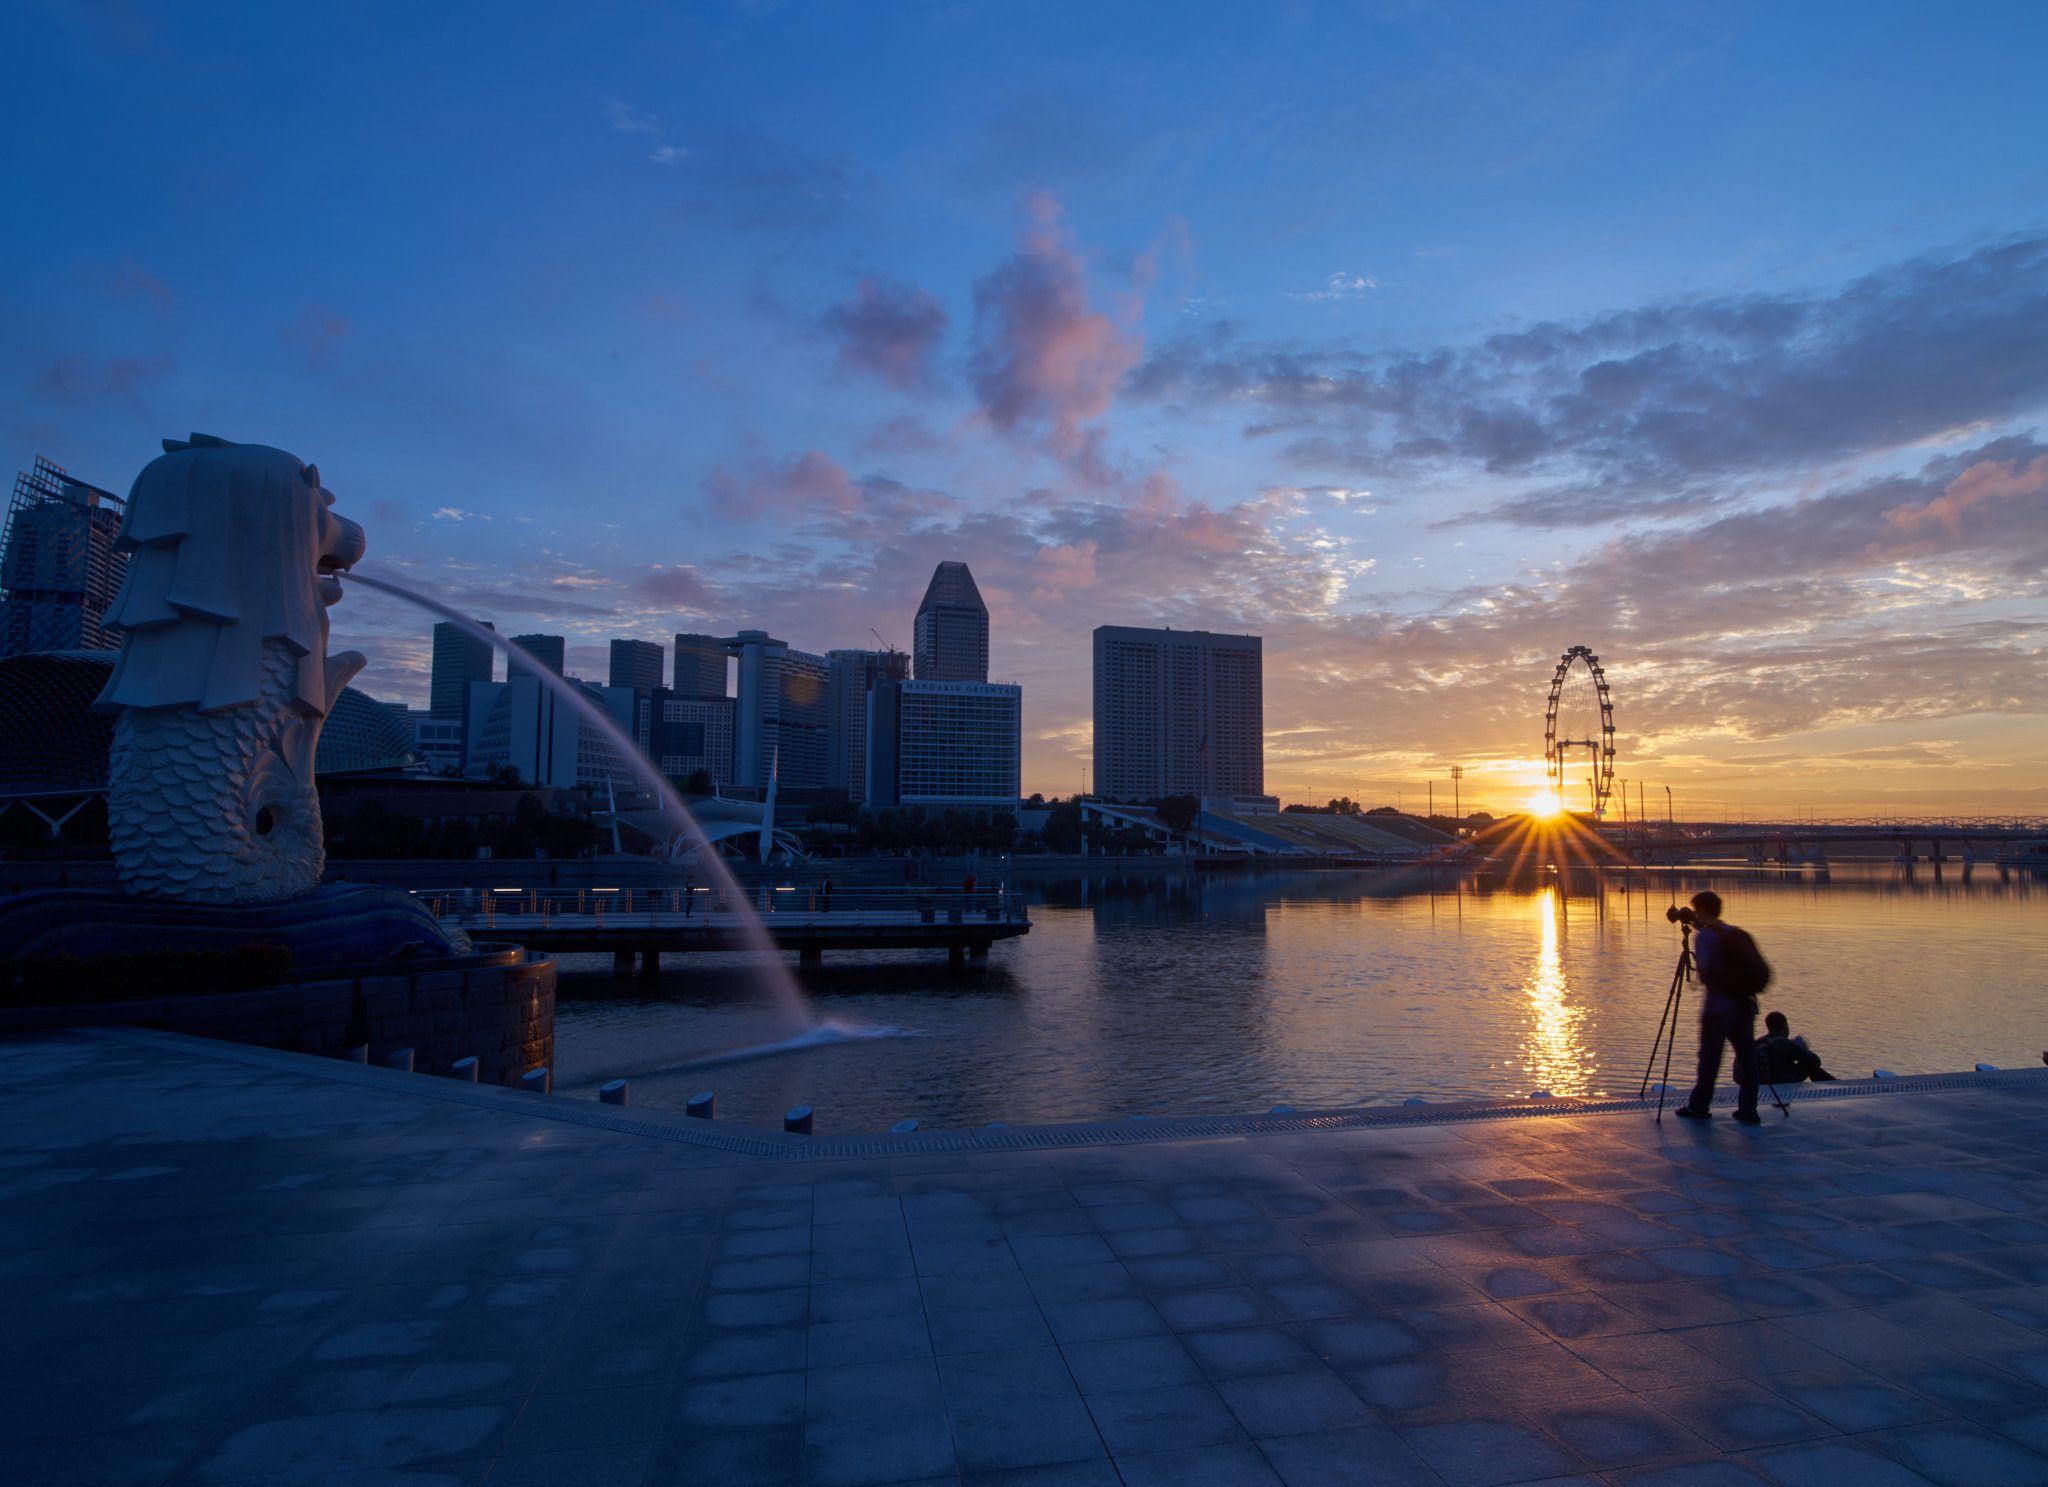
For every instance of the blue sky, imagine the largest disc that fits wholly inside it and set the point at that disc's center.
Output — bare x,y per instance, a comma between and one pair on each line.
1424,340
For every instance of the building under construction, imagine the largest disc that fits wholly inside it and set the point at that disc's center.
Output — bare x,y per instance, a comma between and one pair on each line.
59,571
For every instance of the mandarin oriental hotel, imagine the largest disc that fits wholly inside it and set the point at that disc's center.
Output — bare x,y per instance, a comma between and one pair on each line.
945,744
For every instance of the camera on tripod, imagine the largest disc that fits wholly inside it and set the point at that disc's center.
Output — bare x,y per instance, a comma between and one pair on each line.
1678,914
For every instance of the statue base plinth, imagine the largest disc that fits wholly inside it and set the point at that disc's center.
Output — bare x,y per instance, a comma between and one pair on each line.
335,925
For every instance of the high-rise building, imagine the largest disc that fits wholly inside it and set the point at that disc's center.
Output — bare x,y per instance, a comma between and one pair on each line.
1177,712
951,631
783,713
458,661
636,663
59,569
700,666
546,649
519,722
854,674
945,744
692,734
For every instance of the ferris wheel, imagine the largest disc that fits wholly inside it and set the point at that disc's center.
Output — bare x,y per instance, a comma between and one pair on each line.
1556,750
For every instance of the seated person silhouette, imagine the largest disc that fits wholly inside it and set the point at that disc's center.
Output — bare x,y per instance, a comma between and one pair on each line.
1784,1059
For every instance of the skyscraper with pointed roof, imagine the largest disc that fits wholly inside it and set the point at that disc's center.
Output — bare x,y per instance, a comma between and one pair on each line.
950,641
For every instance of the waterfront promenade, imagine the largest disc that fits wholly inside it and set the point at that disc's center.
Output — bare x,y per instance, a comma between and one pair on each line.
231,1265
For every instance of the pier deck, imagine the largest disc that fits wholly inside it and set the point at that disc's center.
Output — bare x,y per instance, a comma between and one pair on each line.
651,922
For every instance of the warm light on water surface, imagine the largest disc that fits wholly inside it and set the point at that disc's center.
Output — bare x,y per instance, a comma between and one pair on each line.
1171,994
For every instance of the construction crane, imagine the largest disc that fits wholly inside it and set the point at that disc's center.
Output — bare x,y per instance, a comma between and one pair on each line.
887,645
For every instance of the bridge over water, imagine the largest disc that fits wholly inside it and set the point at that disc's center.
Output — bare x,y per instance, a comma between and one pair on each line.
649,923
1933,839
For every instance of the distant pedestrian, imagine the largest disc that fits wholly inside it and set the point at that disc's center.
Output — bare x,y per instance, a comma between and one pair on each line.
1784,1059
827,894
1733,972
689,895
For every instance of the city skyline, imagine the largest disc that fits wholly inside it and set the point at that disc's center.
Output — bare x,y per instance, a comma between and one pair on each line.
1424,343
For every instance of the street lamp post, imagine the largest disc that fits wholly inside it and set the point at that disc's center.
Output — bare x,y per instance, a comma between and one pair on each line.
1670,813
1457,774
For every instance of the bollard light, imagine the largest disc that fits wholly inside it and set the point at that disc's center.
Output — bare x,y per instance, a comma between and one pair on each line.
703,1106
360,1054
613,1093
798,1121
464,1068
400,1059
538,1081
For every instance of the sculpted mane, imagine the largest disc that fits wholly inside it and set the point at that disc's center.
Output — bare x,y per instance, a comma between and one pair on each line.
228,544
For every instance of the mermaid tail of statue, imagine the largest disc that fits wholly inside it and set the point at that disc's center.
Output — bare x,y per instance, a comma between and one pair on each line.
220,807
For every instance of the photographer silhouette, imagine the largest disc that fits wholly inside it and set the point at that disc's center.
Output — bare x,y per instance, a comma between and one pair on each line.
1733,971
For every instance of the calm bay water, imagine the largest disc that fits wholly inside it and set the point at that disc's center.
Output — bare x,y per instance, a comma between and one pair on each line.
1207,994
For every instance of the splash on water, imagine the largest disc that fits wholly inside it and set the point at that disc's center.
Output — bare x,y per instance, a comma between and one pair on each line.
816,1036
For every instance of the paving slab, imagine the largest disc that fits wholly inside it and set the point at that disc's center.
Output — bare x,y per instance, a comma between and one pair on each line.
235,1265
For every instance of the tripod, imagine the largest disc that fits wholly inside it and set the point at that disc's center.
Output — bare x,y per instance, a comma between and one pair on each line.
1667,1030
1668,1023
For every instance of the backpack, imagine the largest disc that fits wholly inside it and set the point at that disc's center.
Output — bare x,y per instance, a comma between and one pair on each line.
1744,971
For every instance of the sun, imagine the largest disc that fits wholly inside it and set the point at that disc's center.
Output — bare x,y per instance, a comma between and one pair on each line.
1545,803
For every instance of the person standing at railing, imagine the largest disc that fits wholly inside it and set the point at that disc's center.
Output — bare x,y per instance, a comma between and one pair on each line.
689,895
967,893
826,895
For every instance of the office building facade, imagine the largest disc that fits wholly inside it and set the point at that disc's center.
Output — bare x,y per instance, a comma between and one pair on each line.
458,661
853,675
700,666
636,663
59,571
951,629
782,714
521,723
945,745
549,650
692,734
1178,712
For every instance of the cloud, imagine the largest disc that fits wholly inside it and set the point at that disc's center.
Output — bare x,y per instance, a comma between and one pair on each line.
128,279
1044,361
542,600
890,330
1633,409
626,121
316,334
87,376
1340,286
766,488
680,587
754,181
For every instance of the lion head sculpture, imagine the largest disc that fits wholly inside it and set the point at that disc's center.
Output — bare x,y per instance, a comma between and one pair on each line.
224,677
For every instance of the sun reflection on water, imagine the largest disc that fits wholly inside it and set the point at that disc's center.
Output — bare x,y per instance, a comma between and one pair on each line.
1553,1053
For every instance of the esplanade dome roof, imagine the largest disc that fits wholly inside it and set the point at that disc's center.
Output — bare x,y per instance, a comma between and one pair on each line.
51,740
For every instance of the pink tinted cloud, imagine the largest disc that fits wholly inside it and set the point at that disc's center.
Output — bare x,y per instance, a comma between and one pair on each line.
678,588
889,330
88,376
130,280
1045,362
316,334
1984,482
765,487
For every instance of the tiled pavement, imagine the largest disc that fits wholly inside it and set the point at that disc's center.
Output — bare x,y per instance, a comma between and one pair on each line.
219,1273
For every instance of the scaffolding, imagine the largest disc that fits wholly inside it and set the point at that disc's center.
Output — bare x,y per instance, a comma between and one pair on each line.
59,570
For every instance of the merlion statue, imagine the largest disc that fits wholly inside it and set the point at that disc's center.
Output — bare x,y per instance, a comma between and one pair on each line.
224,678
